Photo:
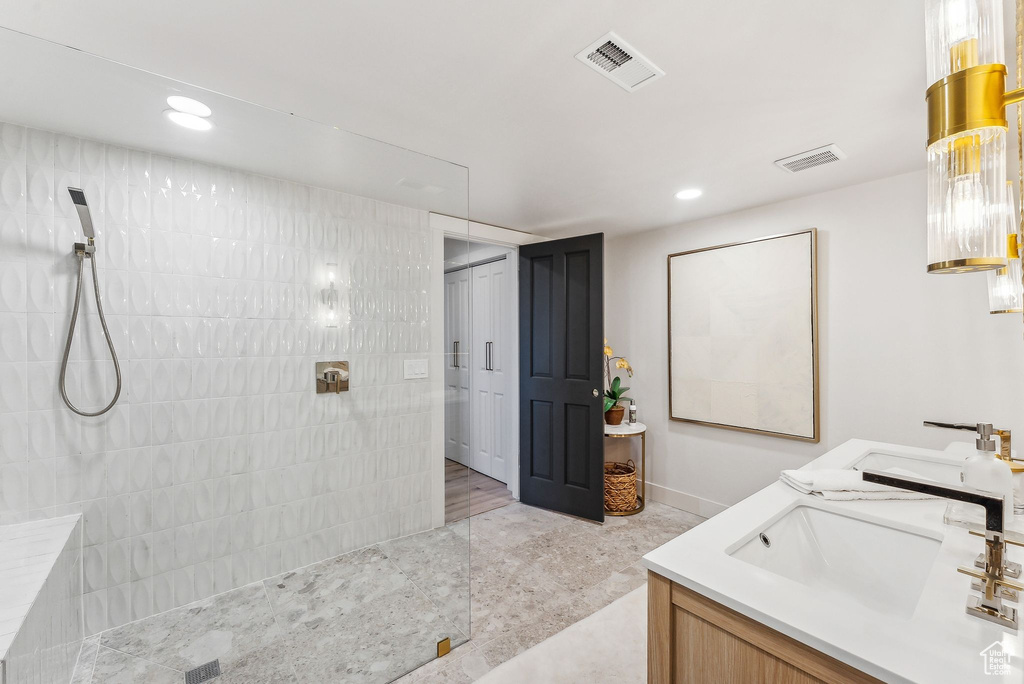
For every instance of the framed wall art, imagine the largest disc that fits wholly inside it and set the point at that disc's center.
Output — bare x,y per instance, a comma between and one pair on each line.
743,336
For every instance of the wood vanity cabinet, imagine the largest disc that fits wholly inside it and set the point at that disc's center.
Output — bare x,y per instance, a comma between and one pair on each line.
694,640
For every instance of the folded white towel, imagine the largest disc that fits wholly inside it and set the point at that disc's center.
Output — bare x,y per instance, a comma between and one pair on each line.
846,485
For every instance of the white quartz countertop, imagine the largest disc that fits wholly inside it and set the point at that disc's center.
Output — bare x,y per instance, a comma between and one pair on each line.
28,552
938,643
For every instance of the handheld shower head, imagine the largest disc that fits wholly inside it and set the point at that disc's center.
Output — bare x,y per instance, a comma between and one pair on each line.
85,252
78,197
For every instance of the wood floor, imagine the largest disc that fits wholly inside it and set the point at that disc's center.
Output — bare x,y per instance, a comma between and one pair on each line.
479,495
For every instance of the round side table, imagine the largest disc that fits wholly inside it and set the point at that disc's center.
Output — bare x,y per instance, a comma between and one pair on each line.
632,430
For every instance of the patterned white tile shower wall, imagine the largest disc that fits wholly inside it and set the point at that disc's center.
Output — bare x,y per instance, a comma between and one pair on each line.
219,466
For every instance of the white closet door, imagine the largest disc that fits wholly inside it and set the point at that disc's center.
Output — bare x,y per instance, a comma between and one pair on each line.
501,347
489,364
457,429
481,404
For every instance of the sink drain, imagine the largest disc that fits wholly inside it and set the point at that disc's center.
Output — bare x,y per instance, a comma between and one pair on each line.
765,540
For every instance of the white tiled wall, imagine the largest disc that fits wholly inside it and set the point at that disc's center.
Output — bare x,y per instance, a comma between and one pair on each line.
219,465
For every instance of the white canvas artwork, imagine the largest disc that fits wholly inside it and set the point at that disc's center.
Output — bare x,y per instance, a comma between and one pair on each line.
742,329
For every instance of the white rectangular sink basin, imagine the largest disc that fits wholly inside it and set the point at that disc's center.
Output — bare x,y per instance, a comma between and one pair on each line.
870,562
946,471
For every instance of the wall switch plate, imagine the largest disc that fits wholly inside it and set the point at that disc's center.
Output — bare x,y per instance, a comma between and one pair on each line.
415,369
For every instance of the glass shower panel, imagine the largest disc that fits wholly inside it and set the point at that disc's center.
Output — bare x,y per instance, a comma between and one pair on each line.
269,490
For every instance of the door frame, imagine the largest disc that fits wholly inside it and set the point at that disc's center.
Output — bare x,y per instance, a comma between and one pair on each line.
472,231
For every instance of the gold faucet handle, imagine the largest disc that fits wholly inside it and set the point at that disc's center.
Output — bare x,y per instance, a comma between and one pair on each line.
1006,450
986,577
1006,540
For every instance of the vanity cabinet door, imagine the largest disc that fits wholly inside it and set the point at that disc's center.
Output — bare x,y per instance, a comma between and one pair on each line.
694,640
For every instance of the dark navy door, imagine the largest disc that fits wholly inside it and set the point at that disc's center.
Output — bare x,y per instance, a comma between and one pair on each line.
561,331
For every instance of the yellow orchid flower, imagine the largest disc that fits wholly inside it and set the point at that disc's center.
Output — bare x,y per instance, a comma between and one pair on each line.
622,363
608,351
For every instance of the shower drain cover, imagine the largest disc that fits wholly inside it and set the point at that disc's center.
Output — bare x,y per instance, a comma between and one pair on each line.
203,673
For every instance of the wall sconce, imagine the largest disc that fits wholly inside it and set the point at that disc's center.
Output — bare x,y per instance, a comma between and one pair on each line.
329,298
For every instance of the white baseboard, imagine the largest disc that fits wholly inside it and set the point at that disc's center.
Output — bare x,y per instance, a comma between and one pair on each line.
684,501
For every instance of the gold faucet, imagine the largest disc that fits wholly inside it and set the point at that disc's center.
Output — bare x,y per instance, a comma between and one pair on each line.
994,585
1004,445
1005,449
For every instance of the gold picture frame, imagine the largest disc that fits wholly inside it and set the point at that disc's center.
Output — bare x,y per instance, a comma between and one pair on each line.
800,427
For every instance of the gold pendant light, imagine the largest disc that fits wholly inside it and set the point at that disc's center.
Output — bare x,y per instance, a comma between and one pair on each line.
973,224
967,135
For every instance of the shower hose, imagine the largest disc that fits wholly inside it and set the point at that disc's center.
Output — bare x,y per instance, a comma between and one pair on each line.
82,256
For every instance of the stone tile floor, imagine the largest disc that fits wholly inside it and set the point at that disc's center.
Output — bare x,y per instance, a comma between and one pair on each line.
534,573
375,614
608,646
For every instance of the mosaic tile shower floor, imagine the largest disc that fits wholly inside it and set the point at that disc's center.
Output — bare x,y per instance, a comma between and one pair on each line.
375,614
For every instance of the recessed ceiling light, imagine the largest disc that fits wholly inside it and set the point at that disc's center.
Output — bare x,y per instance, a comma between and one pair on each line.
190,121
189,106
689,193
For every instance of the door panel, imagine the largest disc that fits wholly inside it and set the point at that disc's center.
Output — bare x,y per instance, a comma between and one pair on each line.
539,278
542,436
499,419
481,410
561,319
577,325
490,330
452,434
501,332
456,374
577,445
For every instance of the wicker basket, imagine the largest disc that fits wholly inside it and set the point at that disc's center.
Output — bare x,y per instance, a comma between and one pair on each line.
620,486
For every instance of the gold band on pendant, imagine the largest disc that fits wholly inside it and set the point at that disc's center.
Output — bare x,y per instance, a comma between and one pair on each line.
967,265
966,100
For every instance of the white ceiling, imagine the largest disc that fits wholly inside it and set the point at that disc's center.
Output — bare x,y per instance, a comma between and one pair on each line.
56,88
551,146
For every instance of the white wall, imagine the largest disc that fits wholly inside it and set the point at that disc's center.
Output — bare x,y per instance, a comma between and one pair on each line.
219,465
897,346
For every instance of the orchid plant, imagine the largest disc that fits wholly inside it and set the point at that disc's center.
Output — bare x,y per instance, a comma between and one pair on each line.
615,392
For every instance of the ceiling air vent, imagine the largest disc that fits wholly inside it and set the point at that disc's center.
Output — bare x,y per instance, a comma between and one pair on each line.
811,158
615,59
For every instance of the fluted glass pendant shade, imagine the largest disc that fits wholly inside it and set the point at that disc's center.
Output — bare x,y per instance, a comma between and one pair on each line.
1005,289
966,176
960,34
966,168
